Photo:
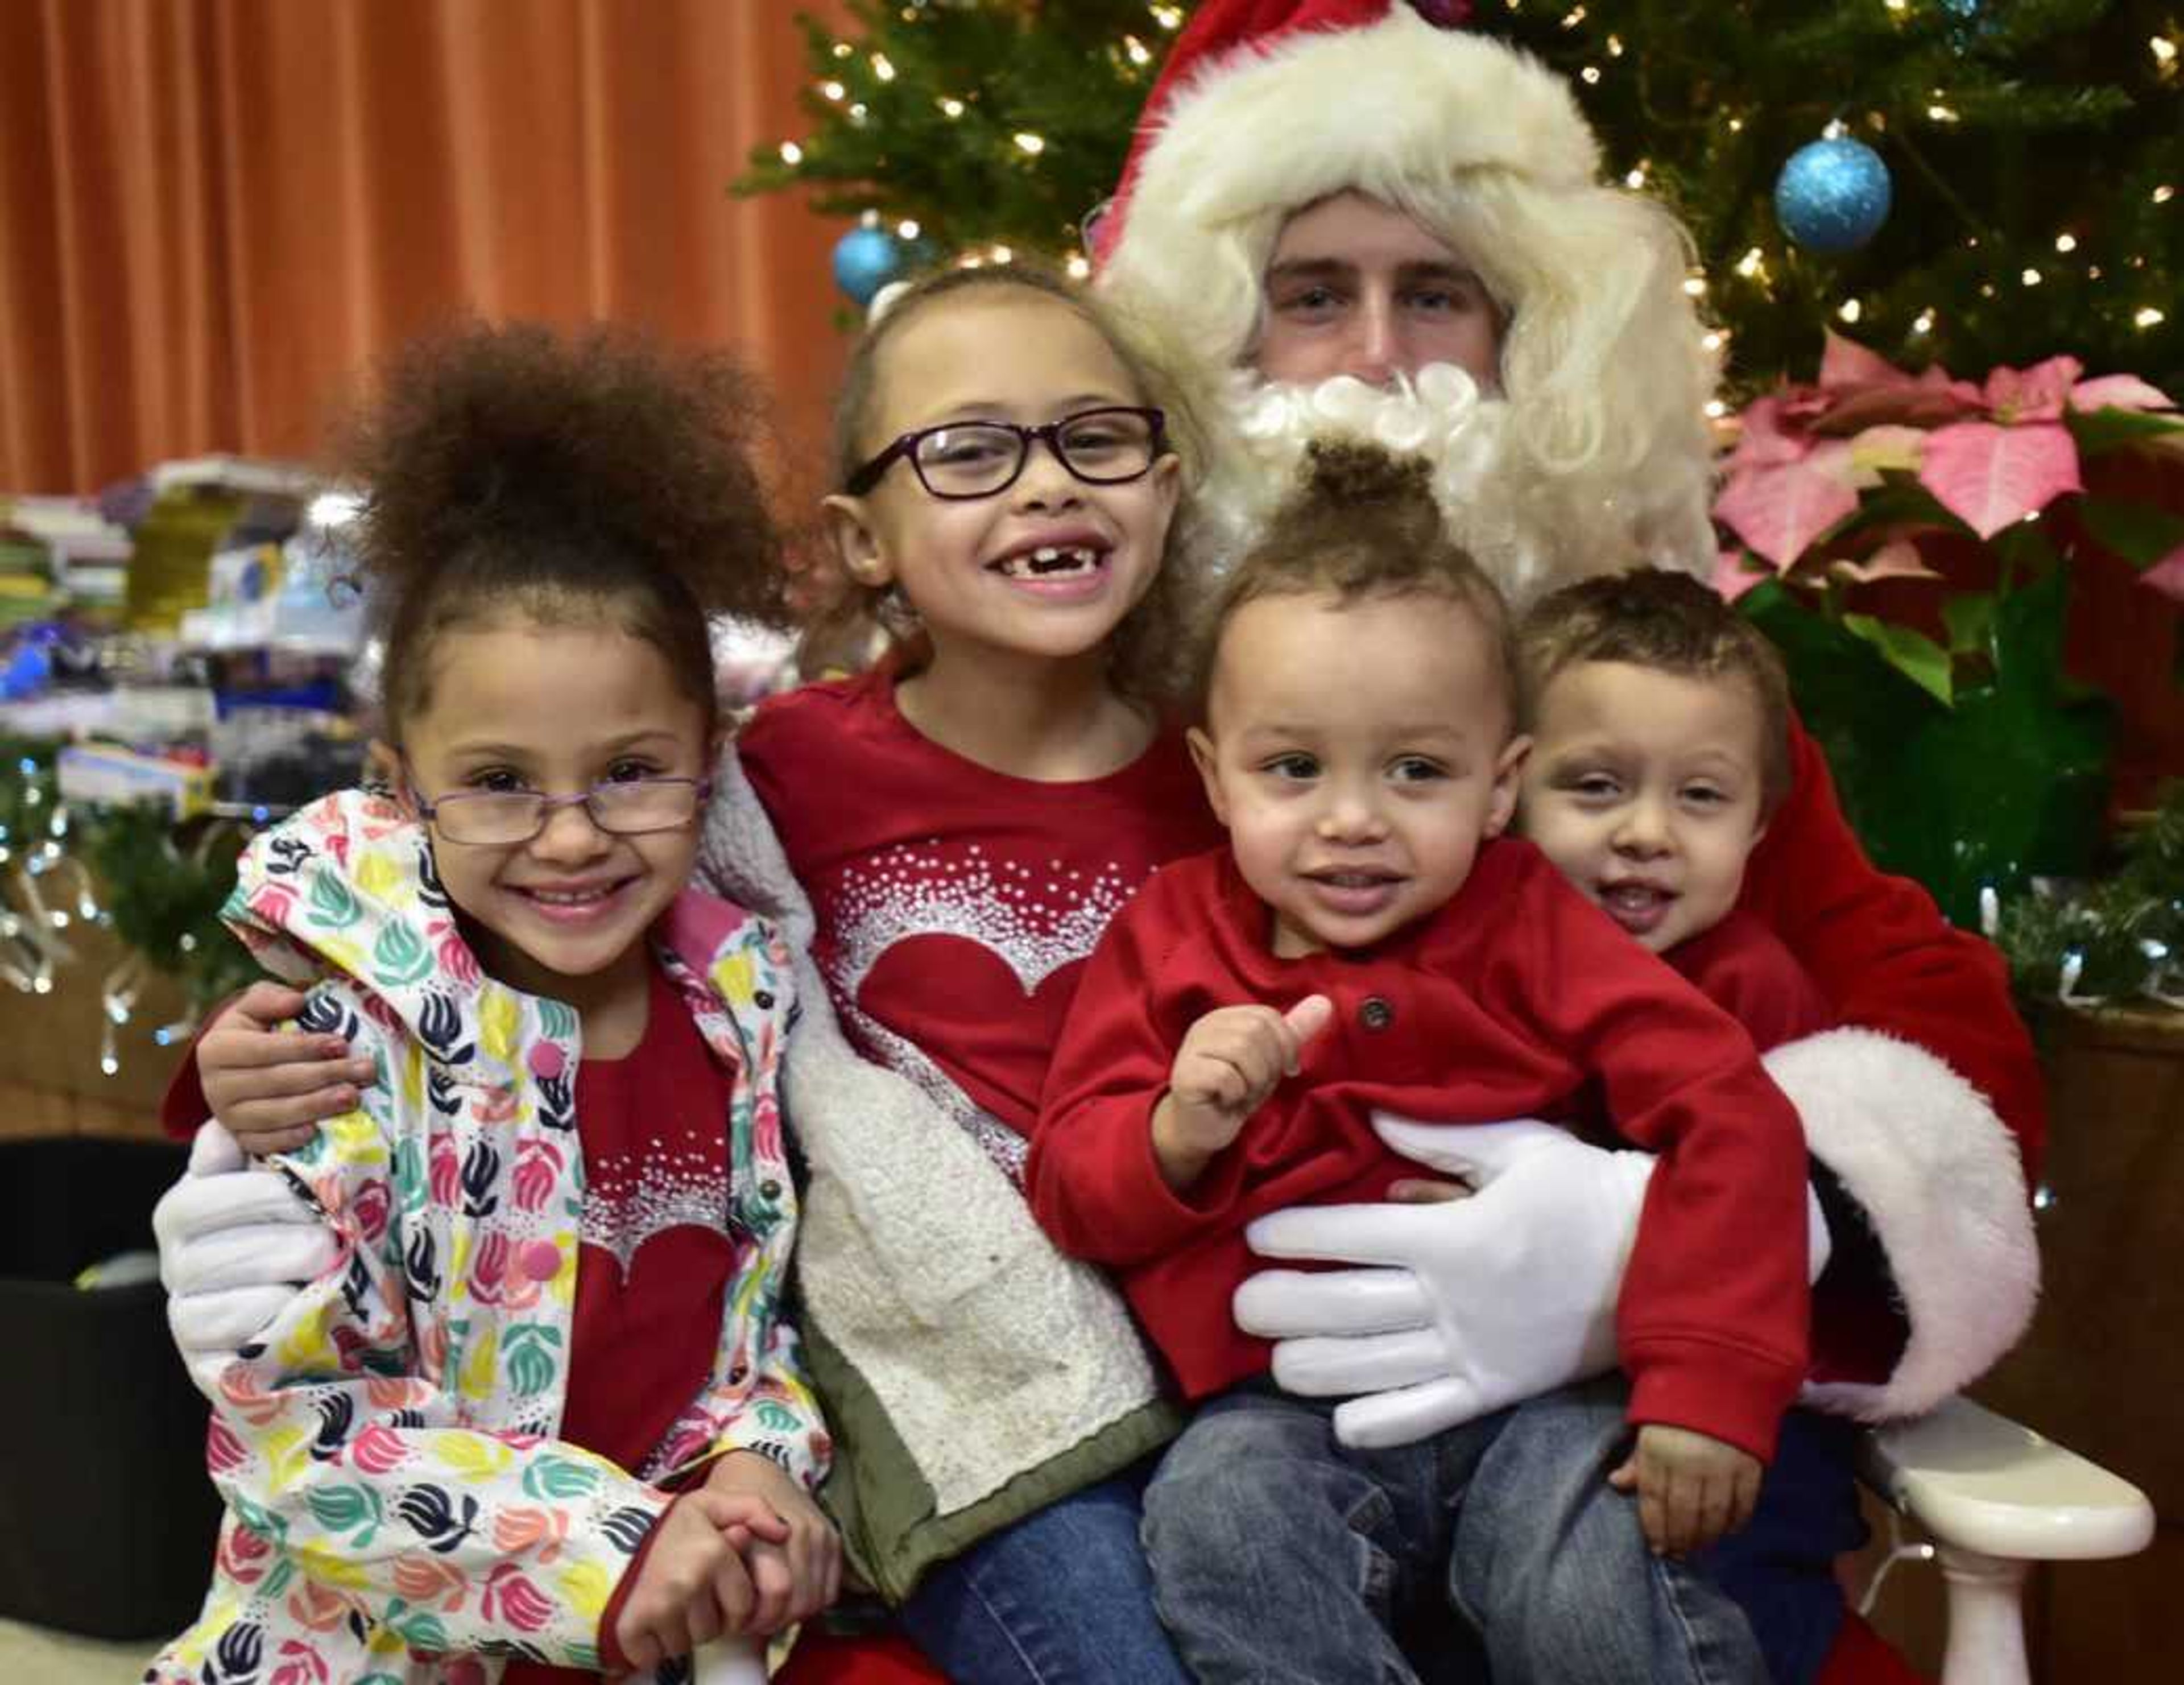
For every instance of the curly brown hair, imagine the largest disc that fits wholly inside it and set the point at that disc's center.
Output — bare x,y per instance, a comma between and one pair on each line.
1149,646
561,478
1670,622
1362,522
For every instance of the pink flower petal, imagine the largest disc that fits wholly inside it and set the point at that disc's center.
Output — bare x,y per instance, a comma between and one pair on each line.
2033,394
1734,573
1762,439
1898,558
1921,403
1778,510
1937,379
1989,475
2166,576
1845,363
2118,392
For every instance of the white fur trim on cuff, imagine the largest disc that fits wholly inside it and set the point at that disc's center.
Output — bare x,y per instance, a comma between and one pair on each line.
1938,1175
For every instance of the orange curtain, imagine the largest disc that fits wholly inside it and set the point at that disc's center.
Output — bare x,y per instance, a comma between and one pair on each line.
215,211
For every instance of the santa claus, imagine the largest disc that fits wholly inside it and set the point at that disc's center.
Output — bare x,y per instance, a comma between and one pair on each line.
1356,217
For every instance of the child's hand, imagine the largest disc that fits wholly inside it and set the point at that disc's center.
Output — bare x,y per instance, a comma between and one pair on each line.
272,1088
693,1585
1692,1488
794,1579
1230,1061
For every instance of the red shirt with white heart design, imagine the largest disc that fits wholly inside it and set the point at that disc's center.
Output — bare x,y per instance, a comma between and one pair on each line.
956,905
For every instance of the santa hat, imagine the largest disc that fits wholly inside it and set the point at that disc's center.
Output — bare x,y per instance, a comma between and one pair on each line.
1236,125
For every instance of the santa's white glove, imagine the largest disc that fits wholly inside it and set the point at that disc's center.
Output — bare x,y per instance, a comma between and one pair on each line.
234,1243
1474,1303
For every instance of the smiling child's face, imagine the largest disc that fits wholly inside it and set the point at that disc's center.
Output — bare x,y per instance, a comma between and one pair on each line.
1646,788
517,706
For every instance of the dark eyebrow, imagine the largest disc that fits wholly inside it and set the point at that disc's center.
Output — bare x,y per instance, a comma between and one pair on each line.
1311,269
1450,274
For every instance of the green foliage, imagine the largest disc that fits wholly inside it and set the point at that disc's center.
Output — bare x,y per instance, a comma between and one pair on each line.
2056,118
932,137
2118,938
2003,778
162,899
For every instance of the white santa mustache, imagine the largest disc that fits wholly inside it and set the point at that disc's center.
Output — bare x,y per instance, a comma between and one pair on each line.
1529,526
1439,413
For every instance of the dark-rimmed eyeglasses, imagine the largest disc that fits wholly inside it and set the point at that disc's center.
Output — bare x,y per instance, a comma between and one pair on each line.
960,459
621,808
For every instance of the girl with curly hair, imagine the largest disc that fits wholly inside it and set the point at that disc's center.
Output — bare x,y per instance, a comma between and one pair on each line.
945,835
541,1402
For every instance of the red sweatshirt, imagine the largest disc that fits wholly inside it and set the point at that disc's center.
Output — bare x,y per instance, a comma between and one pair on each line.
1507,1003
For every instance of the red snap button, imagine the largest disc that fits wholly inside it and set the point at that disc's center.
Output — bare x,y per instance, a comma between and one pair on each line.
541,1260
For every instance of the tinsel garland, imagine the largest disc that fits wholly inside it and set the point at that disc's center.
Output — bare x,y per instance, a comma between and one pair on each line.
2115,941
158,887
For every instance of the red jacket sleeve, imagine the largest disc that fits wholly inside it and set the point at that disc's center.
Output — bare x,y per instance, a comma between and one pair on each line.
1883,955
1095,1183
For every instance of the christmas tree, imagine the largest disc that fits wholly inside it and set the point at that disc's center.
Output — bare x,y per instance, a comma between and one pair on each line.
1971,182
961,127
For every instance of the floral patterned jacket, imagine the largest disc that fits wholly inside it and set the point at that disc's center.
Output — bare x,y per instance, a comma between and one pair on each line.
398,1507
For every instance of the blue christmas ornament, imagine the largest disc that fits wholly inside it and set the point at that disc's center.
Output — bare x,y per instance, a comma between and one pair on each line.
1833,195
865,258
1970,21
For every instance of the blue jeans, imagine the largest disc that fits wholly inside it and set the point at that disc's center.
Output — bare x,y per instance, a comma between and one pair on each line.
1061,1598
1781,1568
1279,1555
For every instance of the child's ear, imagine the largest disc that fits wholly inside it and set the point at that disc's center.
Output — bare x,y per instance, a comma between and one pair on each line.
1168,482
1508,770
382,766
1202,757
849,528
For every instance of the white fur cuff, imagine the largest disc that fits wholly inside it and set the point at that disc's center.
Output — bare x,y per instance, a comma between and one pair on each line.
1938,1175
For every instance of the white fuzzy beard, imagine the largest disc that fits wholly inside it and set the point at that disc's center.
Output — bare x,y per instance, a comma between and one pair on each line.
1529,529
1440,414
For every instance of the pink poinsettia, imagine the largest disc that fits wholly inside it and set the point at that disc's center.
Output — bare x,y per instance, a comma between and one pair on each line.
1991,455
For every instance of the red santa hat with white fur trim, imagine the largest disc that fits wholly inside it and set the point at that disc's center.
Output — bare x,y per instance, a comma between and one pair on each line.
1232,128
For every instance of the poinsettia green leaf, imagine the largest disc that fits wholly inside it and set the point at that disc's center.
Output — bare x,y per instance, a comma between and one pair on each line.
1856,706
2028,638
2140,533
1899,503
1918,657
1970,619
2100,431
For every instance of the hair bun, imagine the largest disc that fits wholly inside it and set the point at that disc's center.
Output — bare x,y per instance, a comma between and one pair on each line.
1346,474
1351,470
